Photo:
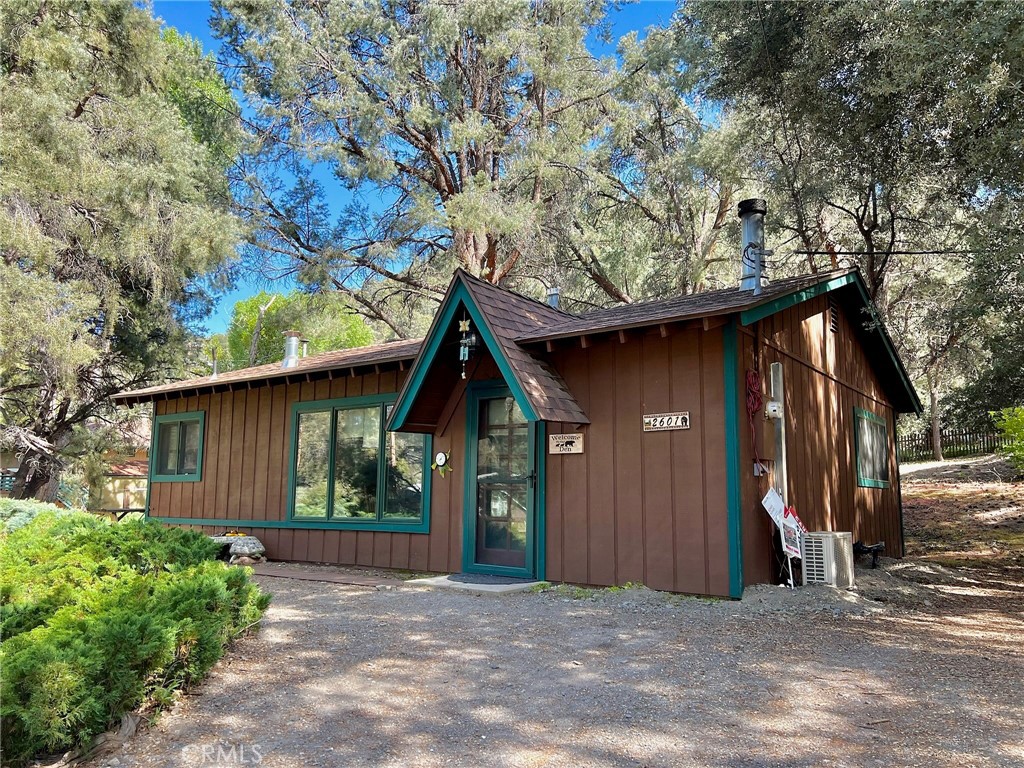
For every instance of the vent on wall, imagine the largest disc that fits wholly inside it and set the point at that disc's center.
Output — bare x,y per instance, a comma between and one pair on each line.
828,558
833,315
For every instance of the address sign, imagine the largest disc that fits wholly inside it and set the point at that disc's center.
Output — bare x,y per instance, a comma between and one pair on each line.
659,422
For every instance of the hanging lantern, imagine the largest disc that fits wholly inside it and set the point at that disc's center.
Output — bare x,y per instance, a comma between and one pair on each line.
467,344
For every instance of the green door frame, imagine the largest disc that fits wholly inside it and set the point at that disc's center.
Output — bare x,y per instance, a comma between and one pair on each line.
484,390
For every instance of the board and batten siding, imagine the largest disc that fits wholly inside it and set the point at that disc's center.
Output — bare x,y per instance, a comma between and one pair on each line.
827,375
637,506
245,479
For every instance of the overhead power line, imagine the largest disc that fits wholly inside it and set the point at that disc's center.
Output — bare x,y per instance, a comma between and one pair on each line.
891,253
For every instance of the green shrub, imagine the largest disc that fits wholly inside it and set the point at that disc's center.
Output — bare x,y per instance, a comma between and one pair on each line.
1010,422
14,513
98,619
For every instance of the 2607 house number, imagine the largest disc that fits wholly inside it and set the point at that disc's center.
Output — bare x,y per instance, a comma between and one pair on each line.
658,422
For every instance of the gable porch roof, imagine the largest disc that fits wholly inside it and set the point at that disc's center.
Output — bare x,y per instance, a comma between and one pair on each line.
499,316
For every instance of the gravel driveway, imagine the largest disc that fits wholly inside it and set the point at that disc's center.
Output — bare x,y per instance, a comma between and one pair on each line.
355,676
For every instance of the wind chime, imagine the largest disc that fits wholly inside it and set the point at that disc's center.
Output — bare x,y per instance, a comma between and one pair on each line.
467,344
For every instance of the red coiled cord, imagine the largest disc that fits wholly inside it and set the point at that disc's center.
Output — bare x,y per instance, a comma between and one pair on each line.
755,402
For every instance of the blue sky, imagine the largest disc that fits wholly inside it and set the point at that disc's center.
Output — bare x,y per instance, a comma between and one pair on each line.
192,17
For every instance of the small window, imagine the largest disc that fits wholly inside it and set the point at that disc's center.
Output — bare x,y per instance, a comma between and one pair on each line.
178,446
872,449
348,469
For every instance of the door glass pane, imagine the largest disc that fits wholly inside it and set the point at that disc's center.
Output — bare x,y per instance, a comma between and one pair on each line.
502,483
167,450
311,464
517,519
404,475
501,447
357,439
504,410
495,535
515,447
190,454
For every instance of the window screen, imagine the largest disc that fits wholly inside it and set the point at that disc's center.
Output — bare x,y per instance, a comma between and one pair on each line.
179,447
872,438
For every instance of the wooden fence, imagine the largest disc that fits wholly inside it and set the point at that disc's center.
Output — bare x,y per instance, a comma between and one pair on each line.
956,443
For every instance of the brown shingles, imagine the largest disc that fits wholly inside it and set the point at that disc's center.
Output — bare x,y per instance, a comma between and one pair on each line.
391,352
646,313
509,315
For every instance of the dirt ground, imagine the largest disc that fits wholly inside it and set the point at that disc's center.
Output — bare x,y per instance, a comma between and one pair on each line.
965,513
922,665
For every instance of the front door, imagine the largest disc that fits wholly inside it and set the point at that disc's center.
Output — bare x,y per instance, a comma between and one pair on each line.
502,480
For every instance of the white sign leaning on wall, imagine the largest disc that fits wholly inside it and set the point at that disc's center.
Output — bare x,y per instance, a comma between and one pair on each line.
569,443
658,422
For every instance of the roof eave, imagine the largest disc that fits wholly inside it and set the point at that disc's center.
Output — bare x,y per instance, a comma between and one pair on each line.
632,326
853,277
207,384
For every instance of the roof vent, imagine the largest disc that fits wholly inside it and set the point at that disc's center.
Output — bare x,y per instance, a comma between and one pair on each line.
751,214
291,349
554,293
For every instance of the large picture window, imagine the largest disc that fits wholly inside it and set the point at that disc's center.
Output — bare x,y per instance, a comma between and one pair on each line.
178,447
347,469
872,444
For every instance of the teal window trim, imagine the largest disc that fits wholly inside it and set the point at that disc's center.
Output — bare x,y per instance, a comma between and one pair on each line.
171,418
152,459
419,524
733,495
457,296
862,480
540,508
299,524
475,392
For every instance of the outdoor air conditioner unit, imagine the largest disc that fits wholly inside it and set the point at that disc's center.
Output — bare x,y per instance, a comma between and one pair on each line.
828,558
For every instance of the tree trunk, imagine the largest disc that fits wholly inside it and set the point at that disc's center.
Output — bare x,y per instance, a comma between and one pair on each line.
32,479
254,342
933,395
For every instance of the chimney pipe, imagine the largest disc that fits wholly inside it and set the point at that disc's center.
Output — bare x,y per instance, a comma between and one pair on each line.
554,293
291,349
752,252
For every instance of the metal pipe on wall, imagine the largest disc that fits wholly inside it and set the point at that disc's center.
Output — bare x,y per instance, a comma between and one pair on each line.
778,396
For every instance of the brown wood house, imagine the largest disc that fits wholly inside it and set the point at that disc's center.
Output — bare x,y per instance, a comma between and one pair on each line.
518,439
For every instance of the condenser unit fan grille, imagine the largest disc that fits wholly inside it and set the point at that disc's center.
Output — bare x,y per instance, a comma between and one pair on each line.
815,567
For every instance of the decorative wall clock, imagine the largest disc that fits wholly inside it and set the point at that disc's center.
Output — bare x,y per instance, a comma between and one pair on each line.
441,463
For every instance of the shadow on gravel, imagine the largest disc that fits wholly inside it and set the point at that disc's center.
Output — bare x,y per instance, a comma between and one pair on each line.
923,665
341,676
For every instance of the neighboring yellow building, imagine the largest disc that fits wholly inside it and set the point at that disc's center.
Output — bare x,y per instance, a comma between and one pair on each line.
124,485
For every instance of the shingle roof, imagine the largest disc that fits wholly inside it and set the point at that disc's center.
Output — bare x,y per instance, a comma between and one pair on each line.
128,468
644,313
516,322
325,361
509,316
